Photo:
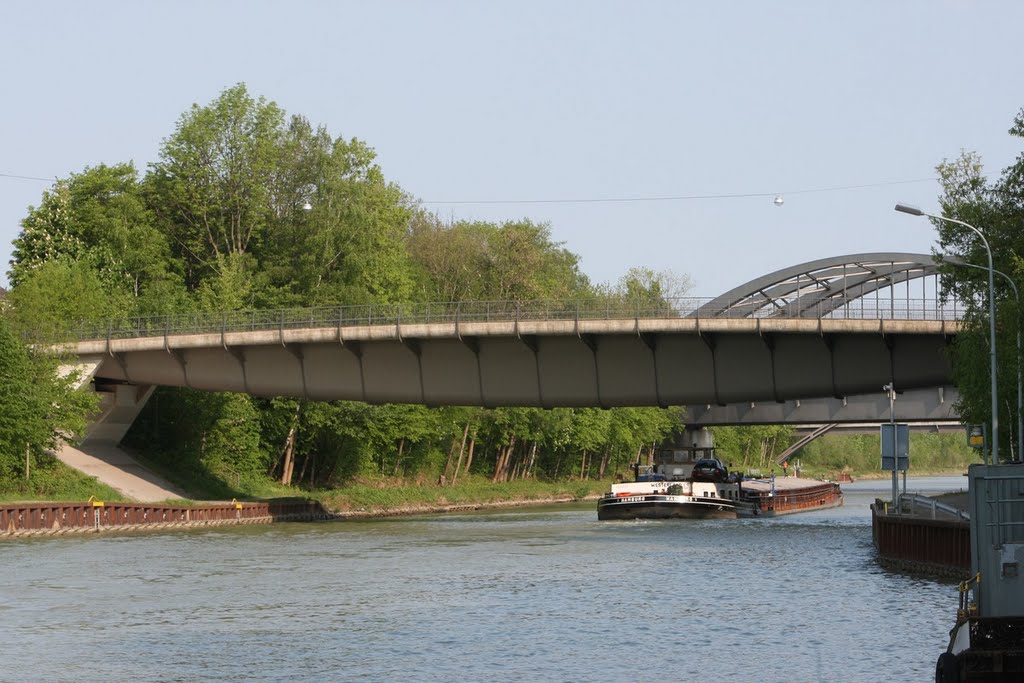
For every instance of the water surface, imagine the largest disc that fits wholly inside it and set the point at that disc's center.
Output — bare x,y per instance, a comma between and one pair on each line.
541,594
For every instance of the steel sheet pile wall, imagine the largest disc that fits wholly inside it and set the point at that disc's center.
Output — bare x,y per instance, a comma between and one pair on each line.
55,518
931,546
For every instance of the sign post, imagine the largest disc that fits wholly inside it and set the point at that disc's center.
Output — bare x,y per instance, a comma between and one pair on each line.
977,437
895,442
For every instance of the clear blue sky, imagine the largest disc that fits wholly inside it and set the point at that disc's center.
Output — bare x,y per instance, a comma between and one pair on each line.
556,100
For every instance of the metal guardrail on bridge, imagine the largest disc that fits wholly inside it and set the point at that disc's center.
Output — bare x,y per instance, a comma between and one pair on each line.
606,308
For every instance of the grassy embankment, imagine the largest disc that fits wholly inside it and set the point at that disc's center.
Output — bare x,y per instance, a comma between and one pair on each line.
854,454
859,455
54,481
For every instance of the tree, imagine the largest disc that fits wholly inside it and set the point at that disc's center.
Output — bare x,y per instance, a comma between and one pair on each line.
59,294
38,408
347,245
752,447
211,187
651,290
99,219
513,261
997,209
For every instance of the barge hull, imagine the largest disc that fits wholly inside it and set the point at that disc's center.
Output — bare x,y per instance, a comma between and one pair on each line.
823,505
663,510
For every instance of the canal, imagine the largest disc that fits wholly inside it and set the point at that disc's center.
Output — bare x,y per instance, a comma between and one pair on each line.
536,594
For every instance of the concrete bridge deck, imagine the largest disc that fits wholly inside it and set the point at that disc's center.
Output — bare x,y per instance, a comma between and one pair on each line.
575,362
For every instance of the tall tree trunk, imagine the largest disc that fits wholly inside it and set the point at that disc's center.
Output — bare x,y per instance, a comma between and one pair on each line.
289,458
508,458
499,463
583,463
604,462
288,451
469,454
462,450
312,469
448,462
398,460
501,466
518,470
533,459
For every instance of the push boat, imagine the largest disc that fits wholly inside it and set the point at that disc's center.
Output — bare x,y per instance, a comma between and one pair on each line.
683,486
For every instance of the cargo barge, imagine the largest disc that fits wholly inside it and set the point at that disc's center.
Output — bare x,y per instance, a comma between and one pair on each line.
690,483
648,498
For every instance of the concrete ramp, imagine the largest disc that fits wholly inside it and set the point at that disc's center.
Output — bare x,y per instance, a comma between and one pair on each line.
115,468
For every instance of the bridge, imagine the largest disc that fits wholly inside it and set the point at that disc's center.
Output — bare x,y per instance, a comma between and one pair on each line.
798,345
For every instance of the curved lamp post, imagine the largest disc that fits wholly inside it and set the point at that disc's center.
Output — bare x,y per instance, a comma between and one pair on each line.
953,260
914,211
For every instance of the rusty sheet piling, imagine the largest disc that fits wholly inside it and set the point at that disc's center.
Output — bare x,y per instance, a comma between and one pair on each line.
28,519
938,547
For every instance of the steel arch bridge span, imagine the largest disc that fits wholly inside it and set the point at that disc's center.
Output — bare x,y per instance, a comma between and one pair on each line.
838,286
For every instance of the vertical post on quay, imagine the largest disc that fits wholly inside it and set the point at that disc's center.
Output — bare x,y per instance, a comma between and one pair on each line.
890,389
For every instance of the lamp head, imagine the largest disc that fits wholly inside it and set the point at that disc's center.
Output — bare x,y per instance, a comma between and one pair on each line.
912,210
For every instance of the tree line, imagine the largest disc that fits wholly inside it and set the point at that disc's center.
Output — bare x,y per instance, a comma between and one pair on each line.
996,207
247,207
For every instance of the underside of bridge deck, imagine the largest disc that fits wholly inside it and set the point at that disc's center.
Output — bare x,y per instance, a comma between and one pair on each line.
594,363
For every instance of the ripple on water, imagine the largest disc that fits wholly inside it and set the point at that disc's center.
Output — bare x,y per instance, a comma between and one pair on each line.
518,596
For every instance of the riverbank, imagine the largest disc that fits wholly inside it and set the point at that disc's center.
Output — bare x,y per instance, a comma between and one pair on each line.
384,497
406,510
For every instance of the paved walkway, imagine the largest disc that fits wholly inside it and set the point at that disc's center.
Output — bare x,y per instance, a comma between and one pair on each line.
120,471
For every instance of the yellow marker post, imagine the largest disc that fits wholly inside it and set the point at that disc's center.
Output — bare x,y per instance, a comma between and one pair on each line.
96,514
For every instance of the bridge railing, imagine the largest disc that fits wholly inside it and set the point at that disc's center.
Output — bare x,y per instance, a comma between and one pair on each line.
604,308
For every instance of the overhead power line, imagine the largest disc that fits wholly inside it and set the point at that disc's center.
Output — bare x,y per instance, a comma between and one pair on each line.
609,200
676,198
26,177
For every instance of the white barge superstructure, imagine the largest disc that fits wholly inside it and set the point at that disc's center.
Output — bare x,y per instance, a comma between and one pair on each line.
689,483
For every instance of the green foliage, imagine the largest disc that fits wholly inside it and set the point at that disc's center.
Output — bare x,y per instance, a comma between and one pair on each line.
212,185
53,480
377,495
37,406
248,207
860,453
754,447
211,441
59,294
997,209
97,218
476,261
649,289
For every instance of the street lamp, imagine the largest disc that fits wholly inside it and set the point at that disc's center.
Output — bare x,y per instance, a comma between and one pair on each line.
953,260
914,211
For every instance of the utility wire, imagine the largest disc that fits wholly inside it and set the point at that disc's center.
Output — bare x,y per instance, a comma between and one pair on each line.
26,177
610,200
673,198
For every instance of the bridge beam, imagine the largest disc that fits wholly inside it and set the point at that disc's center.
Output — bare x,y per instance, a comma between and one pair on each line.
918,405
549,363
